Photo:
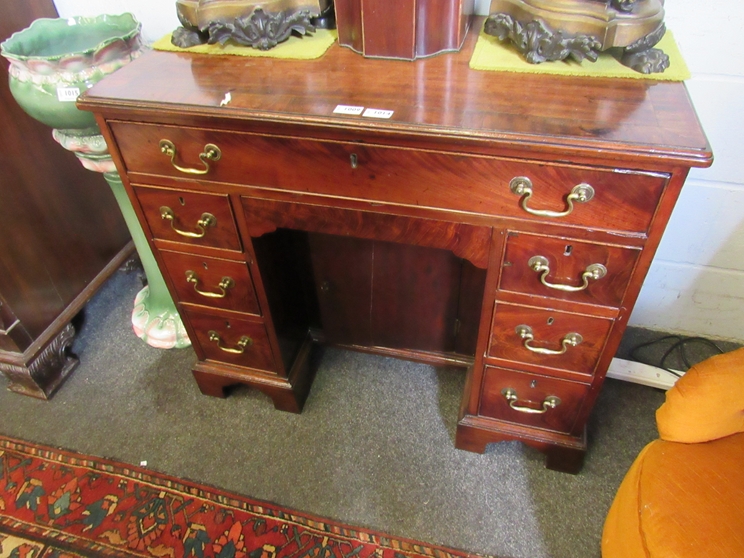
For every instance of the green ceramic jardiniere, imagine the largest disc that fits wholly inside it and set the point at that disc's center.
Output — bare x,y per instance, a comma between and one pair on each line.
52,62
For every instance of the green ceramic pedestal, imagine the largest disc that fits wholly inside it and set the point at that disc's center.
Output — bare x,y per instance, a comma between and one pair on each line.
51,63
154,318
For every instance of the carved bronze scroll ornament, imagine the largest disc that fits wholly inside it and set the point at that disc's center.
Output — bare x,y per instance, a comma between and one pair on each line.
261,25
547,30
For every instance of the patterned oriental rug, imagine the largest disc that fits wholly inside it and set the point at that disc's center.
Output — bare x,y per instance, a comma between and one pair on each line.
59,504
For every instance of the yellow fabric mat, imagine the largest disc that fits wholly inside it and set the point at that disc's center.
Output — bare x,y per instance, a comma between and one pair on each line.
490,54
307,47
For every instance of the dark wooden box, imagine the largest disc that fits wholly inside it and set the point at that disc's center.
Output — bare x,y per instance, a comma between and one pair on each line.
403,29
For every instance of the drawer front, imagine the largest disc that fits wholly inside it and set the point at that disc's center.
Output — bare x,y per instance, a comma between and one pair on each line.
189,217
567,269
212,282
526,334
232,340
622,200
531,399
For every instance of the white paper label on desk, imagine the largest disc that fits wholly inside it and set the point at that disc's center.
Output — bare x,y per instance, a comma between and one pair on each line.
378,113
68,94
347,109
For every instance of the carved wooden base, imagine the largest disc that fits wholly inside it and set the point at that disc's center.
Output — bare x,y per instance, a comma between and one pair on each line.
40,373
563,453
288,394
40,369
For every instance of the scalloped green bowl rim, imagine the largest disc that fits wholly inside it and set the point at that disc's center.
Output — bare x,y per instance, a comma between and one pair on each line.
50,33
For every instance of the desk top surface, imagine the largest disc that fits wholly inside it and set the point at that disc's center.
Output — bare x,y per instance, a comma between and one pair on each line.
437,97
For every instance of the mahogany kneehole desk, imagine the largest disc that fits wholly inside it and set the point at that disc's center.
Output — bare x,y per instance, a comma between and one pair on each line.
499,222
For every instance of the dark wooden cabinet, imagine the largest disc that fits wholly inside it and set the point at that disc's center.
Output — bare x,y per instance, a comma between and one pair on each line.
61,236
403,30
499,222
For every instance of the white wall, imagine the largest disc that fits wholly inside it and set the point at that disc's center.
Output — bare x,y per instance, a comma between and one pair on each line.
696,284
158,17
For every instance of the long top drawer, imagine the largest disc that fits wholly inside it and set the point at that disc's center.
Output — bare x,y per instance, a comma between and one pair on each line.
581,196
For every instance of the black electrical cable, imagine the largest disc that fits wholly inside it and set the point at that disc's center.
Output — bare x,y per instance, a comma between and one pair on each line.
680,344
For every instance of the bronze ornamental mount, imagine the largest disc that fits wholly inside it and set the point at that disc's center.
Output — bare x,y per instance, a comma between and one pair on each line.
260,25
541,30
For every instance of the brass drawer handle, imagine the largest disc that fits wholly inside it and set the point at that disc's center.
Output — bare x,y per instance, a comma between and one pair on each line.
569,340
540,264
207,220
522,186
243,342
550,402
223,285
211,153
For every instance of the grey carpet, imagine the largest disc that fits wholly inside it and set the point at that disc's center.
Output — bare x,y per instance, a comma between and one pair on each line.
374,446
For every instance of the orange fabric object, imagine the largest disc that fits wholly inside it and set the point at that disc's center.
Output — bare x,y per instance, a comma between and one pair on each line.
680,500
707,402
683,497
622,536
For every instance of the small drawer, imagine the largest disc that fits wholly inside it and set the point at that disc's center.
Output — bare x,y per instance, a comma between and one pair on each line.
599,198
567,269
189,217
548,338
232,340
531,399
212,282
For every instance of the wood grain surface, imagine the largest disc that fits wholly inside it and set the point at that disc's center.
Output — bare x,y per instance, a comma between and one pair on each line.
401,235
547,116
